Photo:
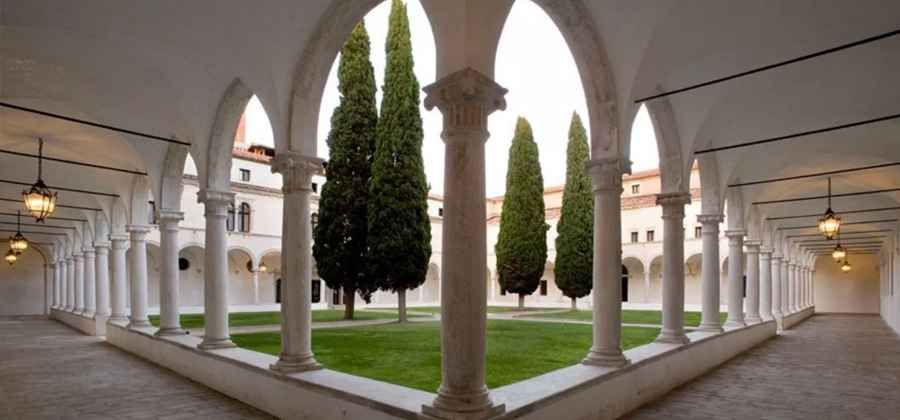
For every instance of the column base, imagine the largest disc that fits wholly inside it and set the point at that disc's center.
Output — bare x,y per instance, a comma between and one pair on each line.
710,328
134,324
88,313
295,364
221,343
117,318
456,406
170,331
735,323
612,359
672,337
767,318
752,319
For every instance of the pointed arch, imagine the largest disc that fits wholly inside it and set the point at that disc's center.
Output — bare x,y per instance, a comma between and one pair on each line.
221,141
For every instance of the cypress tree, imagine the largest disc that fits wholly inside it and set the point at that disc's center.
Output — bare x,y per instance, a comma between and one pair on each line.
575,240
399,226
340,235
522,242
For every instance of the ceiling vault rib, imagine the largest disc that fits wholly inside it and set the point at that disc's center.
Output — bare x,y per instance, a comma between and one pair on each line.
773,66
67,219
819,197
842,233
74,190
817,174
13,200
91,123
75,162
39,225
31,232
801,216
842,224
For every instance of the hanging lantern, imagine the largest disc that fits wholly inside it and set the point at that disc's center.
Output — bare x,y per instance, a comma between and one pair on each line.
839,253
846,266
17,242
263,267
11,257
830,223
39,200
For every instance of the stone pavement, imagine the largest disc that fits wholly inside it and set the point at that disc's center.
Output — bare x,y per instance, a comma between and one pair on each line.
48,371
829,367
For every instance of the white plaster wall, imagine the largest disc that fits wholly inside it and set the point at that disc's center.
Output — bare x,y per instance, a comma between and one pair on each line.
890,298
22,285
856,291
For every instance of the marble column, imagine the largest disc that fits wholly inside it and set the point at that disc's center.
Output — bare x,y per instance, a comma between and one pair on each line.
777,296
785,282
169,315
79,282
215,283
765,284
735,278
792,287
802,287
465,99
673,267
102,279
56,291
753,289
710,272
296,277
256,285
119,269
138,276
607,272
812,287
70,271
90,282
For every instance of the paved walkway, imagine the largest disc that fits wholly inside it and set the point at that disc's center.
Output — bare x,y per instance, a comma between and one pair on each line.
829,367
48,371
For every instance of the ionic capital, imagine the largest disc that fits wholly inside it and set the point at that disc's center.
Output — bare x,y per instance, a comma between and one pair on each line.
169,217
465,98
673,204
297,170
606,174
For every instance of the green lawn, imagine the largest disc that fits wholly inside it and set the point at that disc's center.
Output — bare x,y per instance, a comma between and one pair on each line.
274,317
630,316
409,354
490,309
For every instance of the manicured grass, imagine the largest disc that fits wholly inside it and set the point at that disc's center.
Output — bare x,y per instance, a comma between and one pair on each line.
490,309
629,316
274,317
409,354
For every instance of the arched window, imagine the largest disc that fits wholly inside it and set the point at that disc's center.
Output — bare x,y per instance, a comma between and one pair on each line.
244,216
229,221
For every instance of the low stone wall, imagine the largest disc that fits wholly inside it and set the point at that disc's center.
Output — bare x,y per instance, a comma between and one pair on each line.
795,318
245,375
91,326
588,392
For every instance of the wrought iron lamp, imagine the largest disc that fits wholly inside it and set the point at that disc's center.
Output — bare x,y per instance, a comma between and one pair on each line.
846,266
263,267
11,257
839,253
830,223
39,199
17,242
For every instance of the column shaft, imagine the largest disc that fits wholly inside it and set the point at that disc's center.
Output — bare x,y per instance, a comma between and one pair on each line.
765,284
102,276
752,301
138,274
79,283
119,277
785,282
777,313
735,279
90,283
673,267
169,316
215,284
70,274
710,272
607,263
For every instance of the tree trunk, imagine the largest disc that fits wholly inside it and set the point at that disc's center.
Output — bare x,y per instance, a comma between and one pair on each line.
401,302
574,305
521,301
349,303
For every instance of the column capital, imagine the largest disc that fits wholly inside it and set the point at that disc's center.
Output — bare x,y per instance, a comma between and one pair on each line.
101,245
710,218
465,98
76,256
752,245
215,197
137,229
673,204
606,174
88,252
117,238
297,170
735,233
169,216
766,251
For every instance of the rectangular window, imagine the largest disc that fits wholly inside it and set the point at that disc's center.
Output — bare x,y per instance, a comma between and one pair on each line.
698,232
635,188
543,287
316,290
650,235
315,187
245,175
634,237
441,212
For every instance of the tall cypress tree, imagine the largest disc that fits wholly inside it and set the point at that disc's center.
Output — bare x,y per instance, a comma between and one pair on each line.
575,242
522,243
399,226
340,235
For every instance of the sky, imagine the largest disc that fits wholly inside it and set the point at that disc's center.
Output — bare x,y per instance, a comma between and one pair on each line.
533,63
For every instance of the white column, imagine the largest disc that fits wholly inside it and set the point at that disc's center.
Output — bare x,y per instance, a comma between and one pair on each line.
79,282
70,271
709,272
90,283
256,285
138,275
801,288
777,280
812,287
169,316
102,279
792,287
673,267
735,278
753,289
119,269
465,99
765,284
785,282
607,269
215,284
56,288
296,277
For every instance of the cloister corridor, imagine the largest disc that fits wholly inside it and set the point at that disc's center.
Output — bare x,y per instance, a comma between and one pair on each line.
829,367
